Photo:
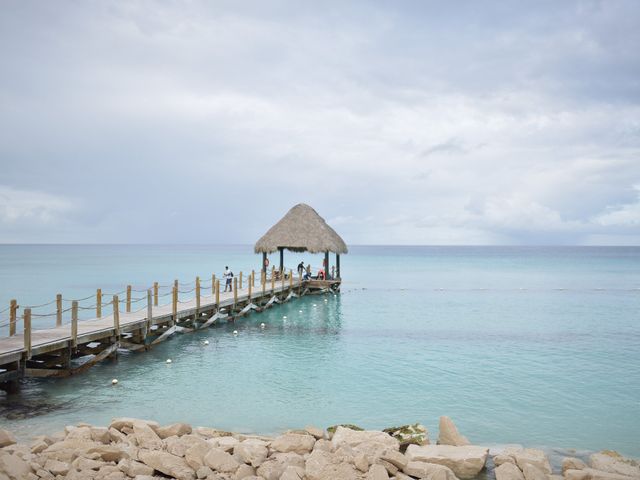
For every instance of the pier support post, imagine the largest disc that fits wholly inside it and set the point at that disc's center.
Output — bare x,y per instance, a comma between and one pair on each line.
13,315
235,291
174,311
27,331
263,281
213,284
282,275
59,310
290,279
99,303
197,296
217,293
240,281
273,283
253,278
128,298
155,294
74,324
249,287
149,312
116,315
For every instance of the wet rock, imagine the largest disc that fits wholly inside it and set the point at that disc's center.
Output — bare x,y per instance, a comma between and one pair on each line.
175,429
332,429
315,432
592,474
293,442
466,462
448,434
572,463
429,470
500,459
406,435
613,462
535,457
508,471
6,438
168,464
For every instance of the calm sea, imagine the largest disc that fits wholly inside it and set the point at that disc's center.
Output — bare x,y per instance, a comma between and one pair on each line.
538,346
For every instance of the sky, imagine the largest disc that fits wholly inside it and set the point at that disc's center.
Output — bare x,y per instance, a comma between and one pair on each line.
426,122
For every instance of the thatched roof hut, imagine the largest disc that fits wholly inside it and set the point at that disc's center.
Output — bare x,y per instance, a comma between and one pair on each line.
302,230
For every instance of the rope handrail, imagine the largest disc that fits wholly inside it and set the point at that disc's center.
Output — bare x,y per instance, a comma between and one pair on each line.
78,299
187,291
6,309
40,306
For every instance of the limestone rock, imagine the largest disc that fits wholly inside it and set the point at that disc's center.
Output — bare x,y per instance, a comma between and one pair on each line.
6,438
428,470
207,433
224,443
535,457
204,472
195,454
12,466
361,463
292,473
377,472
293,442
321,465
146,437
83,433
332,429
500,459
82,463
449,435
167,463
127,423
109,453
315,432
572,463
179,445
221,461
415,434
56,467
613,462
466,462
243,472
394,457
39,446
533,473
508,471
323,444
354,438
251,453
100,434
389,467
133,468
177,429
592,474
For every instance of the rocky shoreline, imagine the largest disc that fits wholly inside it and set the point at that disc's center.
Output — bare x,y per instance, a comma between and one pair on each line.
143,450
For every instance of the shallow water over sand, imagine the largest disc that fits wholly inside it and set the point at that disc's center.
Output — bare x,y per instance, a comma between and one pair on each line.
539,346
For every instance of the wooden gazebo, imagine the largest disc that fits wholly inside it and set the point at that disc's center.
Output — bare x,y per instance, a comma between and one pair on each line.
302,230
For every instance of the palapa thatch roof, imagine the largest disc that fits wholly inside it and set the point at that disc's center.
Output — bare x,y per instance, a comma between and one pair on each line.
301,230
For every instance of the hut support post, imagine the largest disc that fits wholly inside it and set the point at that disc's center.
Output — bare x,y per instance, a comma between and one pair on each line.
264,262
326,265
338,265
281,259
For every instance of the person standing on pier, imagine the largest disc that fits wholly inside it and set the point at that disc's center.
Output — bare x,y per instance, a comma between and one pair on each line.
228,276
300,268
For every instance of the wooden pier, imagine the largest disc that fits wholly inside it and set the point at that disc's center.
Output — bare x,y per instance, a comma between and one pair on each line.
136,324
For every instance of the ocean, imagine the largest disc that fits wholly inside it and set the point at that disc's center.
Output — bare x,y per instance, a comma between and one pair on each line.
538,346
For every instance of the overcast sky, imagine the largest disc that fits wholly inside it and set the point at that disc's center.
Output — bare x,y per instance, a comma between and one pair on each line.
483,122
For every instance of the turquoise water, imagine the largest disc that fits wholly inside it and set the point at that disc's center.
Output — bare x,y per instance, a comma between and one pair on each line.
539,346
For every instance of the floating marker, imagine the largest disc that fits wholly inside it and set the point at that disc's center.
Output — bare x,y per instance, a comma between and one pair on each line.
315,305
168,360
235,332
299,311
206,342
284,317
114,381
262,325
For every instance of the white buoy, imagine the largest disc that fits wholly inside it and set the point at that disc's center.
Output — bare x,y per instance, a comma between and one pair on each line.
299,311
168,360
206,342
284,317
235,332
315,305
114,381
262,325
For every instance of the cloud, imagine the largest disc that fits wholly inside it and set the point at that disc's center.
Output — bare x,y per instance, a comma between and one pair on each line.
32,207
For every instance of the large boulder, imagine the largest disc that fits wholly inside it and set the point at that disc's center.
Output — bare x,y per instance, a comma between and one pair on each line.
293,442
448,434
195,454
533,473
377,472
275,466
322,465
406,435
535,457
146,437
179,445
572,463
592,474
251,452
354,438
466,462
6,438
12,466
432,471
508,471
126,423
167,463
177,429
613,462
220,461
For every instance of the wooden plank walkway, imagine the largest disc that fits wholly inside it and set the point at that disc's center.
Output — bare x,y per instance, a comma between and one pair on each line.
17,360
